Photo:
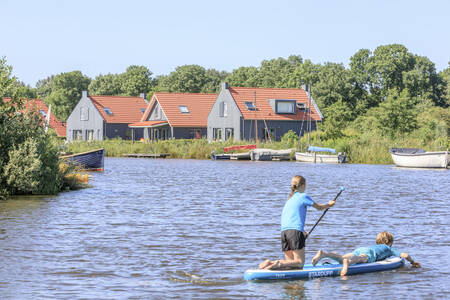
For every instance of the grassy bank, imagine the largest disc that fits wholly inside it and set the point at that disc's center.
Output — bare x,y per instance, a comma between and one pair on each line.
360,148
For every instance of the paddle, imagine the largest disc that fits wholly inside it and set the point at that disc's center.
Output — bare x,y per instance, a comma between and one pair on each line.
335,198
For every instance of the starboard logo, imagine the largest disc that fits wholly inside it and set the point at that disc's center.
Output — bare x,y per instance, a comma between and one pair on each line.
320,274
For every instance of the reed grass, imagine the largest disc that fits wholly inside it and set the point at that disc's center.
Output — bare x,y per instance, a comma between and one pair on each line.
368,148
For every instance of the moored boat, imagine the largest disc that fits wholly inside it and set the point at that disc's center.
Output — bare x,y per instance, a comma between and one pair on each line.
91,160
261,154
314,157
418,158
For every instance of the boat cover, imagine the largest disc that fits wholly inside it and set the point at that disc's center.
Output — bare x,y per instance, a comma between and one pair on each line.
407,150
321,149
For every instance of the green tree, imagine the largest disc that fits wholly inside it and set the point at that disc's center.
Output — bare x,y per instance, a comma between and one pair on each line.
136,80
185,79
6,80
445,86
386,68
44,87
423,81
213,80
276,73
337,117
244,77
397,114
333,85
109,84
66,92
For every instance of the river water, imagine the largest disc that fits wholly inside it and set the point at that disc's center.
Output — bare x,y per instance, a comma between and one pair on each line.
159,229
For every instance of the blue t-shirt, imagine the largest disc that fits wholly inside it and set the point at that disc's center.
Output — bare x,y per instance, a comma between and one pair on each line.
294,211
377,252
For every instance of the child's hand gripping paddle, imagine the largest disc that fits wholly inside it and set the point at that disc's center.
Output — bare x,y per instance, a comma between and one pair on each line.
335,198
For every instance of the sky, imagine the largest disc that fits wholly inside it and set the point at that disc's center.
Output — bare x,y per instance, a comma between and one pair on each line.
48,37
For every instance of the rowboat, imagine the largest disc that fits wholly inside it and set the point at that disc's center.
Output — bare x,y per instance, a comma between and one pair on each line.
314,157
261,154
418,158
91,160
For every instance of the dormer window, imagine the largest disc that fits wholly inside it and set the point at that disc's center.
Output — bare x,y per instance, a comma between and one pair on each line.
107,111
183,109
250,105
43,113
285,106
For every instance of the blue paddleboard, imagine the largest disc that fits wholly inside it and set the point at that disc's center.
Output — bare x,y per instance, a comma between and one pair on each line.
325,270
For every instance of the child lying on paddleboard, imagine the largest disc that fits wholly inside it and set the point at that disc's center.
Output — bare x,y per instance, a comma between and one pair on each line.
382,250
292,227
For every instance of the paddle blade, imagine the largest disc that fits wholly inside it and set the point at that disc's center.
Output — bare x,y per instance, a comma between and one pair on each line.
342,188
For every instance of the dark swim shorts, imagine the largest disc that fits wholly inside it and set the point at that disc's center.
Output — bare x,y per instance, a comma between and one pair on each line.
292,239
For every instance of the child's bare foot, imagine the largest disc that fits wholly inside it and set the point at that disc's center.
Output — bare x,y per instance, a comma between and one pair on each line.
317,257
344,267
264,264
273,265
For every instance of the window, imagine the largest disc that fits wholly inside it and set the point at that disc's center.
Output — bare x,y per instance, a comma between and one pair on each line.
195,133
77,135
269,134
285,106
223,109
107,111
217,133
229,133
250,105
84,113
142,110
156,114
89,135
43,113
183,109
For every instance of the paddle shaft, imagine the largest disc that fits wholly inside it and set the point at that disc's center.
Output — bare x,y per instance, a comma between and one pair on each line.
335,198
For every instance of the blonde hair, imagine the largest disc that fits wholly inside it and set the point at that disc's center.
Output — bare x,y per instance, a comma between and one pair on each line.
296,182
385,238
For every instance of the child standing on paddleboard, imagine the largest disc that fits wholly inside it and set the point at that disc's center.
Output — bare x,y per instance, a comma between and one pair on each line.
382,250
292,227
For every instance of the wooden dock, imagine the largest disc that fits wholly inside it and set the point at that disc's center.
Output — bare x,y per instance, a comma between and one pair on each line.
146,155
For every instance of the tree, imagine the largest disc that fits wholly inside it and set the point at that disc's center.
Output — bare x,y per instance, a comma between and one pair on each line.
213,80
65,92
109,84
337,116
397,115
244,77
276,73
333,86
28,159
445,86
44,87
185,79
423,81
386,68
136,80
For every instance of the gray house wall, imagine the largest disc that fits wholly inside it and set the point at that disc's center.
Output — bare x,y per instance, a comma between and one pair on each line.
232,120
92,120
156,113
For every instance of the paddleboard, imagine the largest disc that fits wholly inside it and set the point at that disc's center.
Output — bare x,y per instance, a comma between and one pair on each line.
324,270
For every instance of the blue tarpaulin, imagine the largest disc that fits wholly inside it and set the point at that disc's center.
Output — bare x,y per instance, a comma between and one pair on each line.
321,149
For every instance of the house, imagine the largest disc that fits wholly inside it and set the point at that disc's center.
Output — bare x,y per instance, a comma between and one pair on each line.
100,117
274,110
176,115
39,105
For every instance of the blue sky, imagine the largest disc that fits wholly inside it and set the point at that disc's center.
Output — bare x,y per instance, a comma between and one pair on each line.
41,38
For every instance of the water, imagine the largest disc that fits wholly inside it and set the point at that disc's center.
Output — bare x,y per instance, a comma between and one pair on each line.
158,229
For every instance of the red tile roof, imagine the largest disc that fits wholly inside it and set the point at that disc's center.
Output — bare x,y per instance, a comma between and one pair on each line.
199,106
37,104
147,123
264,110
124,109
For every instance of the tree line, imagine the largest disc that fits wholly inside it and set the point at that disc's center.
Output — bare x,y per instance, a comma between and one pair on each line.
387,88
